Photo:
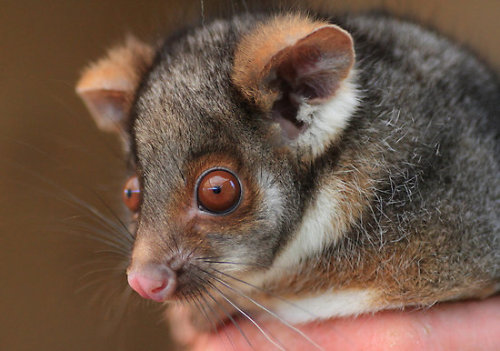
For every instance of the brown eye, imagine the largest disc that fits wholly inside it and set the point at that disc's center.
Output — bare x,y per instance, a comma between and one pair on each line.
219,191
132,194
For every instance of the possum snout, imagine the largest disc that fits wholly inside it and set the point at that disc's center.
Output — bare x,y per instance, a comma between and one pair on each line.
154,282
159,272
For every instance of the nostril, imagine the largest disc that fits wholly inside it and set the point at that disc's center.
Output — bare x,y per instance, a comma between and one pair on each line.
160,288
157,283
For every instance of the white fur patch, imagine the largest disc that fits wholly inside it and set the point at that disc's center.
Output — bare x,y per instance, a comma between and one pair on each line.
272,195
327,120
327,305
317,230
323,224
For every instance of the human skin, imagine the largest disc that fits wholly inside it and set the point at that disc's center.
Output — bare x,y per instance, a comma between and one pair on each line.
470,325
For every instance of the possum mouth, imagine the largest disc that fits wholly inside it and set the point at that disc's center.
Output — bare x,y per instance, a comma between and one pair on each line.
446,326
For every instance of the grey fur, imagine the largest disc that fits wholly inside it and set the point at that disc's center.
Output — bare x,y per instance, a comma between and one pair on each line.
427,123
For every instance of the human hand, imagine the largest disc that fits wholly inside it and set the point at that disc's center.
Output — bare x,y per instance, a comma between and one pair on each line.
470,325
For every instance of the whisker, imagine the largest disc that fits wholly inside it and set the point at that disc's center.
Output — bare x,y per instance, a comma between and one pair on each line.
99,227
127,231
188,256
202,10
283,321
215,326
117,251
265,291
95,271
228,315
268,338
91,284
234,263
102,237
110,302
245,6
32,147
109,251
70,199
103,219
207,257
194,298
108,238
124,298
201,307
112,235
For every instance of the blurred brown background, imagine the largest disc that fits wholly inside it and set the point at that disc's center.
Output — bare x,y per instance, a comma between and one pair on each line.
60,287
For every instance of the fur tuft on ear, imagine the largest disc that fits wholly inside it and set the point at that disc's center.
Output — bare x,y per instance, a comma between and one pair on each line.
300,73
107,86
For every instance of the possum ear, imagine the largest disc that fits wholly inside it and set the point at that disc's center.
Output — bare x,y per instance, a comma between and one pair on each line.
299,73
108,86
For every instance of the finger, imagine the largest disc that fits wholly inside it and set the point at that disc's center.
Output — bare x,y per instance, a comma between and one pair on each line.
181,329
455,326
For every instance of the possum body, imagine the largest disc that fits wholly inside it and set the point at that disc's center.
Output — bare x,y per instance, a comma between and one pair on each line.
319,167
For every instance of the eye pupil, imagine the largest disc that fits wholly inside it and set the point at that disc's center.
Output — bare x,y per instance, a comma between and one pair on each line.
218,191
132,194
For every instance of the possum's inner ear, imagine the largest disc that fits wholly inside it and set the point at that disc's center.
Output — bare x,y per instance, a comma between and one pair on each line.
108,86
299,72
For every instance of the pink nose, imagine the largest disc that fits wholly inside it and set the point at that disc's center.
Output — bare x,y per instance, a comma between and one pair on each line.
156,283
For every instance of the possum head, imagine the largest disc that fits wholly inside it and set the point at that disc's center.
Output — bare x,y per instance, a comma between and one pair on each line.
224,126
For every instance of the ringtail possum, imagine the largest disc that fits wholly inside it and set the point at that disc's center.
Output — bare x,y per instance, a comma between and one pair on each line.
305,167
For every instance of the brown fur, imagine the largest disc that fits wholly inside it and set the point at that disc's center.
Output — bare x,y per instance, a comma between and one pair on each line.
202,222
113,81
255,51
275,47
195,225
388,273
399,280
